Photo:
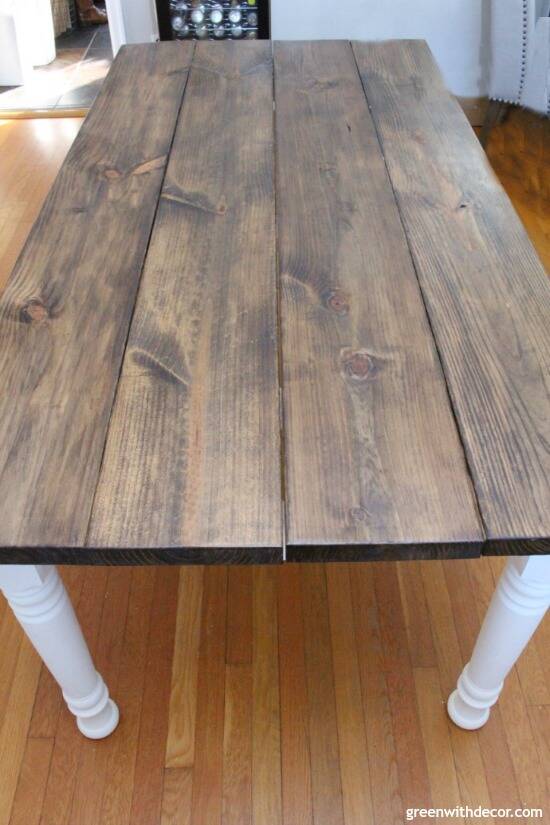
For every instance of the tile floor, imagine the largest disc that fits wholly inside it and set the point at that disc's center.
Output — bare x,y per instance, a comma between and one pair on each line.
71,81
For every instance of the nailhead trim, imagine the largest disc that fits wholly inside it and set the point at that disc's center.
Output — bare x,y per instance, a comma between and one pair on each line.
523,51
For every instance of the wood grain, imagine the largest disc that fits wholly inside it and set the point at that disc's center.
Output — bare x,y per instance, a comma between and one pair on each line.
29,796
180,746
192,457
485,289
65,313
266,709
373,459
354,762
387,798
294,712
469,585
206,807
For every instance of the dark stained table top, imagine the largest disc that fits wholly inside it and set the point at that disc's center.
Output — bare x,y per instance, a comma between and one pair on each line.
276,306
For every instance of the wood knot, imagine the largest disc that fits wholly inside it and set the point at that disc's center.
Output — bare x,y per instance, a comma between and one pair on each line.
337,300
111,174
34,312
358,515
358,364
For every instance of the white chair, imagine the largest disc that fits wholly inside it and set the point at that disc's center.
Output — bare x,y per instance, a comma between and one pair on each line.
520,58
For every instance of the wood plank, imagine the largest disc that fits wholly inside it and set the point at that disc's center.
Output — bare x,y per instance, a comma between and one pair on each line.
153,728
417,617
352,744
407,732
93,769
485,289
436,739
206,808
326,783
180,745
266,707
239,616
116,803
294,711
386,792
374,465
237,746
15,725
29,797
176,799
74,285
202,348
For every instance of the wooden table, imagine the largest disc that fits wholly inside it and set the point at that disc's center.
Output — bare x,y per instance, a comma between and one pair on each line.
276,308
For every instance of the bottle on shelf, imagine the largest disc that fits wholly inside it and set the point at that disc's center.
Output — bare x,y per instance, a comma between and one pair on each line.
216,14
252,19
181,7
201,31
219,32
197,13
236,31
252,34
178,22
235,14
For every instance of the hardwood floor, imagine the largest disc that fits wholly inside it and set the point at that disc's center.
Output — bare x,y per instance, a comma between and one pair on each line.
304,695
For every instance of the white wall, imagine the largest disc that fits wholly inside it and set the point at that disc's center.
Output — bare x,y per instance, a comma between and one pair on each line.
454,29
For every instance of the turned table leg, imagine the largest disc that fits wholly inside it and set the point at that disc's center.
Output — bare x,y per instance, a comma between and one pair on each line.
40,602
517,607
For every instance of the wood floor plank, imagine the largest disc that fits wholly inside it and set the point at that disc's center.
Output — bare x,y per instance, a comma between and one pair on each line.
374,464
153,729
180,745
239,616
29,796
202,348
75,282
116,801
540,725
411,761
485,289
206,808
386,791
526,756
354,761
176,799
295,756
266,718
93,770
417,617
14,725
237,746
437,739
323,726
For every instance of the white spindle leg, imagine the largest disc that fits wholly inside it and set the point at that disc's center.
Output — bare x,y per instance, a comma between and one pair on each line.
41,604
517,607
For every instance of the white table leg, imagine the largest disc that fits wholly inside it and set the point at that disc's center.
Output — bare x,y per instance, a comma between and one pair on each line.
517,607
41,604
